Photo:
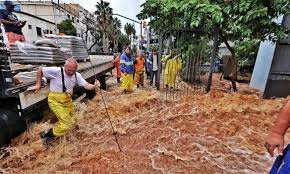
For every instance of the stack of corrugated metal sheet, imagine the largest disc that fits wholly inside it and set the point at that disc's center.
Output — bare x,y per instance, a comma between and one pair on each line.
75,45
29,53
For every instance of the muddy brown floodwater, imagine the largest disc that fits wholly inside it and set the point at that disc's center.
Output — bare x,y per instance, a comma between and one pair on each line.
219,132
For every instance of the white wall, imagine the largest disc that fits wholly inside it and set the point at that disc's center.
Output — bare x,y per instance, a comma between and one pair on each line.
47,11
31,34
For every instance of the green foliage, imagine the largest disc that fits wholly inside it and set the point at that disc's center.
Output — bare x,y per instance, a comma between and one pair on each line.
123,40
246,53
130,30
104,19
114,32
235,20
117,23
194,53
104,15
67,27
153,48
134,49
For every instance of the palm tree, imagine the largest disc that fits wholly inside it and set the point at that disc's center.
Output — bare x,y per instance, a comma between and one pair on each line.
134,33
115,31
130,30
127,29
117,23
104,18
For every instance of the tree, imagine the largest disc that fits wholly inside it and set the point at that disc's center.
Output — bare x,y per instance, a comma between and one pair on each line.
123,40
134,33
90,24
91,28
130,31
246,52
234,20
67,27
97,37
104,18
114,32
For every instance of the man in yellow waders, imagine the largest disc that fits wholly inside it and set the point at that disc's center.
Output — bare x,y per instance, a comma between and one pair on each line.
62,82
127,68
139,69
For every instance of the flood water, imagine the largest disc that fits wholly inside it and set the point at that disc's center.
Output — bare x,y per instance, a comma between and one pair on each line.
219,132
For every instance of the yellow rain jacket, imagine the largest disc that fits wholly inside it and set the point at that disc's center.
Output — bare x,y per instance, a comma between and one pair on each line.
171,70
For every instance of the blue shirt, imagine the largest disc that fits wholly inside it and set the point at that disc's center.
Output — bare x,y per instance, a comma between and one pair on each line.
149,62
9,16
127,64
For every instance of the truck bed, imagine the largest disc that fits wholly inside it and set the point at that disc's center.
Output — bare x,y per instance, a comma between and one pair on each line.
26,74
98,66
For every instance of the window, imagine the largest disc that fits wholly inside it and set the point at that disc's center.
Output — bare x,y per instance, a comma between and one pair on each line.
29,27
50,32
45,31
78,21
38,31
73,19
68,16
89,39
93,40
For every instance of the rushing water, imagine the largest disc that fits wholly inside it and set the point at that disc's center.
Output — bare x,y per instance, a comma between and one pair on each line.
218,132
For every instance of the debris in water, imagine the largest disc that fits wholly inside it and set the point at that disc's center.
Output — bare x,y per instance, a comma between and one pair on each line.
218,132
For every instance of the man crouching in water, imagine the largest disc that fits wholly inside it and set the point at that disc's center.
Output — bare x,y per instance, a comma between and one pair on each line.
62,82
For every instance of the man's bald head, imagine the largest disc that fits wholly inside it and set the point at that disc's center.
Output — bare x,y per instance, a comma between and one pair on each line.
70,66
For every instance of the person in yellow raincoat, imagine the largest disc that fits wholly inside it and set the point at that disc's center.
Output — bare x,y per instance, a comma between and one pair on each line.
127,68
172,67
139,69
62,82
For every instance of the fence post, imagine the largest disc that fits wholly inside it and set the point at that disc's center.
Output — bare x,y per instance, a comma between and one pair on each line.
213,56
160,53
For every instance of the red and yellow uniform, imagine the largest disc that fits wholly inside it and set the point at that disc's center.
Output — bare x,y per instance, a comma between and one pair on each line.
118,66
139,70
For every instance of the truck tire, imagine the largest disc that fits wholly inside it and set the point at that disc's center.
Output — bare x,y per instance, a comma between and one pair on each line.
4,138
11,125
34,115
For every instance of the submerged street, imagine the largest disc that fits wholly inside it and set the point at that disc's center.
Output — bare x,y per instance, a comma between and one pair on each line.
144,87
219,132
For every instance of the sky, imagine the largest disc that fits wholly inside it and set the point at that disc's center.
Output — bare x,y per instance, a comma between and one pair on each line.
128,8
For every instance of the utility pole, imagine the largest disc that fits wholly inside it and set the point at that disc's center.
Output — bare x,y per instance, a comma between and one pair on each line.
147,38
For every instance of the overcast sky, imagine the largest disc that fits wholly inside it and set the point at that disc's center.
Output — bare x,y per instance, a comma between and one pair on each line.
128,8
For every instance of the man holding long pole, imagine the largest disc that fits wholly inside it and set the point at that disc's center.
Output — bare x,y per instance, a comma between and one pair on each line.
62,82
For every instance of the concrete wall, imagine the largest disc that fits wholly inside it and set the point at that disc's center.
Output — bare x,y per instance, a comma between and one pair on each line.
42,10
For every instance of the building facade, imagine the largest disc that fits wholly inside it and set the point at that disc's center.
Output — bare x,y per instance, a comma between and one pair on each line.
42,17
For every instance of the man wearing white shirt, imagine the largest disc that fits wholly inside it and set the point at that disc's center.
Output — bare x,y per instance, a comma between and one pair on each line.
154,68
62,82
